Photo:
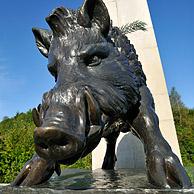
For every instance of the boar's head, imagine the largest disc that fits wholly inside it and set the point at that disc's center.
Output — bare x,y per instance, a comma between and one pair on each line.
95,85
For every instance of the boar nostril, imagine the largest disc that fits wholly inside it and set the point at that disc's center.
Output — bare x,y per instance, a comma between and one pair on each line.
43,145
46,138
61,143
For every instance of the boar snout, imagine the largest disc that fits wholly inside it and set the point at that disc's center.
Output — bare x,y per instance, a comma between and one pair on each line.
55,144
66,130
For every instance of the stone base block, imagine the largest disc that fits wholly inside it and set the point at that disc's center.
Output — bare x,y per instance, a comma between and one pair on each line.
74,181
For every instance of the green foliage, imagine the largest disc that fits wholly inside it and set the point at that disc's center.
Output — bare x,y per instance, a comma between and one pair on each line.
133,27
16,146
178,107
84,163
186,137
190,171
184,122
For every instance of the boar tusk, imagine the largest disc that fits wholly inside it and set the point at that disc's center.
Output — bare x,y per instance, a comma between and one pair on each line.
57,169
93,115
36,117
93,108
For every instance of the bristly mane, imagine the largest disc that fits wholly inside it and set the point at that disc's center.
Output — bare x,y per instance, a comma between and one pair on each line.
125,47
62,21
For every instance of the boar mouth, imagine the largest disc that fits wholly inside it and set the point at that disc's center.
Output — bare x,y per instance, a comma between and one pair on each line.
57,144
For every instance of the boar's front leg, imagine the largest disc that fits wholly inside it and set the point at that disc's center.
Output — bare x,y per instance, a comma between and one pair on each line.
163,166
110,157
36,171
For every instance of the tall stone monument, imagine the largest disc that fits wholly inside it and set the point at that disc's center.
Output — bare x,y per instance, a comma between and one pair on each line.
129,148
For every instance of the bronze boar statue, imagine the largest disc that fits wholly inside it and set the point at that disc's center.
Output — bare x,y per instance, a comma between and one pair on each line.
100,91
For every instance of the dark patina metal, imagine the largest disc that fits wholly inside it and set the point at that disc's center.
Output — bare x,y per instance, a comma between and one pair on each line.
100,91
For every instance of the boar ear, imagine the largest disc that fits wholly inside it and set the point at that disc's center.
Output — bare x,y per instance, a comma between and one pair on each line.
43,40
94,11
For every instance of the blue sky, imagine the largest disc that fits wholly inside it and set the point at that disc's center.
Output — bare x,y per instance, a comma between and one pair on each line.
23,72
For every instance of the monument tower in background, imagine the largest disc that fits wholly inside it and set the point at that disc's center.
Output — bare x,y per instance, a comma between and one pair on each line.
129,148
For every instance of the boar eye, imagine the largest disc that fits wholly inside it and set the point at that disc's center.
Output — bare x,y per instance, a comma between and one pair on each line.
92,61
93,54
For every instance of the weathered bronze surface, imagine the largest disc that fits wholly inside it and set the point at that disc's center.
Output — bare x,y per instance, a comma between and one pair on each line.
100,91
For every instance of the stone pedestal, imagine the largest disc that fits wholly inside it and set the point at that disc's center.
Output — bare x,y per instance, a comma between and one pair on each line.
123,12
75,181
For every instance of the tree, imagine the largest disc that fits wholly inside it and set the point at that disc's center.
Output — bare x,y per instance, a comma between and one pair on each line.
178,106
184,122
5,117
175,98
